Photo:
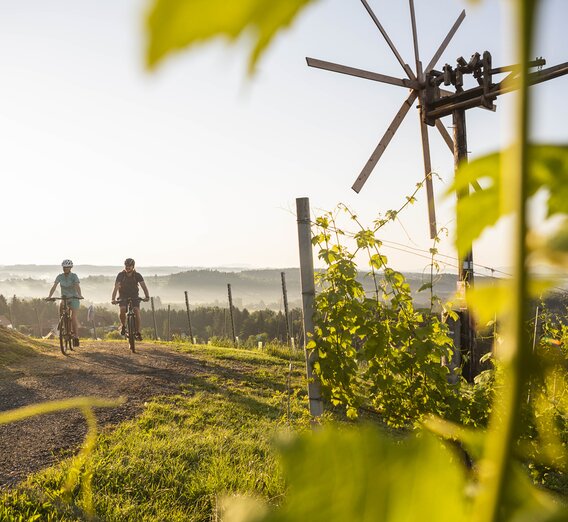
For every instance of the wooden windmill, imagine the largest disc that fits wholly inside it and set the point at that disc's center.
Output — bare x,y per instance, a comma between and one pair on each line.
434,102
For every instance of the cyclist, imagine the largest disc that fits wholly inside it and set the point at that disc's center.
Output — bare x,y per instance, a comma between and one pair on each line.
126,285
70,287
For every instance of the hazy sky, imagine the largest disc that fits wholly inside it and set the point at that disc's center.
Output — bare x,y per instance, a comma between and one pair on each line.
198,165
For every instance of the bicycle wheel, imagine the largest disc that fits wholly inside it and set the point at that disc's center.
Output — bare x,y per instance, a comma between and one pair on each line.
131,333
69,336
65,338
62,335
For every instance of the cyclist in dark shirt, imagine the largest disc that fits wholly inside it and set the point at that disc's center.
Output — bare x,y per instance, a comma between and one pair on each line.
126,285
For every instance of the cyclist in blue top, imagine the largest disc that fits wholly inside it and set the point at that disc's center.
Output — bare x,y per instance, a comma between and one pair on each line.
70,287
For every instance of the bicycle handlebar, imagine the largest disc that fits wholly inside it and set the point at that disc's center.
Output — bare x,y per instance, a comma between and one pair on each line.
62,298
127,299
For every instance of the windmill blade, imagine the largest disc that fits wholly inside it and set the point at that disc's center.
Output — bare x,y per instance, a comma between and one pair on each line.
428,177
450,143
445,43
415,38
385,140
361,73
445,135
404,65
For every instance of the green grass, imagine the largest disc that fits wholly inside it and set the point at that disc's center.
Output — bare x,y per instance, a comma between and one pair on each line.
185,453
14,346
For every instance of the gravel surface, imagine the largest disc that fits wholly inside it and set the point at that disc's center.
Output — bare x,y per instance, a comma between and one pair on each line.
98,369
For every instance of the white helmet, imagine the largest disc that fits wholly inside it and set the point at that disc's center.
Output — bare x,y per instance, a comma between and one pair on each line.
67,263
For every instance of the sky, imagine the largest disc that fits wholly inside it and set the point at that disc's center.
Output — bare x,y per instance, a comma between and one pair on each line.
199,164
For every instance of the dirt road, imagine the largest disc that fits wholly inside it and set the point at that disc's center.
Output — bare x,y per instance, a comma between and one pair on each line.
99,369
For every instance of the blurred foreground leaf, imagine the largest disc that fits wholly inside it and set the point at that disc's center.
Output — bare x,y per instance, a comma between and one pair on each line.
365,475
173,25
548,170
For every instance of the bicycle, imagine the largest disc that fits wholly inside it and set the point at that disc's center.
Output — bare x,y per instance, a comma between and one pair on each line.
65,326
130,320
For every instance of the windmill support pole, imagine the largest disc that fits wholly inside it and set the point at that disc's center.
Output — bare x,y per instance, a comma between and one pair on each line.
286,311
231,313
308,296
188,318
465,258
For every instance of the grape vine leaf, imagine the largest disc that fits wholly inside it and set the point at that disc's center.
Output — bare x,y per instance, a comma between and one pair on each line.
548,170
173,25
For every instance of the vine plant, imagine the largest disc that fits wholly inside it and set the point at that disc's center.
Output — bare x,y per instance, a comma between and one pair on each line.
375,349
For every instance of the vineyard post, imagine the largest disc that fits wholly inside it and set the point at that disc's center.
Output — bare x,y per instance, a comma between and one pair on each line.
465,258
188,318
11,312
286,312
154,319
38,322
231,313
308,296
168,336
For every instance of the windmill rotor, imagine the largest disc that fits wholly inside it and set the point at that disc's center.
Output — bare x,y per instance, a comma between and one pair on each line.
435,102
415,82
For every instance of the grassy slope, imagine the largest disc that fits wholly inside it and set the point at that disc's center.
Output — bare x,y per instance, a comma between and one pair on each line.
185,452
15,346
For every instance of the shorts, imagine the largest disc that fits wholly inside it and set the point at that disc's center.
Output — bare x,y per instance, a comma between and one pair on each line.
123,301
74,304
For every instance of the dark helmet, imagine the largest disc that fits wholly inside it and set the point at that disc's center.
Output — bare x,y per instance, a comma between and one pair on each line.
129,261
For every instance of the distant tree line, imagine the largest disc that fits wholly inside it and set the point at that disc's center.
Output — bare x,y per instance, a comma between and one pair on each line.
37,317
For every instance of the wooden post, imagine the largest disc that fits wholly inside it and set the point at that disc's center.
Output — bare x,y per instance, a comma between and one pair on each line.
168,336
465,259
154,319
11,312
188,318
308,296
286,311
231,313
38,322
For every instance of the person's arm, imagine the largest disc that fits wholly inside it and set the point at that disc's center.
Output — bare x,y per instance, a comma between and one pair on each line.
145,288
78,288
115,290
52,289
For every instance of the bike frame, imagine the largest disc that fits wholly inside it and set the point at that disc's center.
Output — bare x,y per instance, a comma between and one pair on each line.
130,321
65,326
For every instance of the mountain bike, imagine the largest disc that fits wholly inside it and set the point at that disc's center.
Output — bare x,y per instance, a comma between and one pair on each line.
130,319
65,326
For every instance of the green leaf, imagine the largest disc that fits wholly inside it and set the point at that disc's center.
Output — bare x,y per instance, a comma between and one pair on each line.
366,475
488,301
548,170
173,25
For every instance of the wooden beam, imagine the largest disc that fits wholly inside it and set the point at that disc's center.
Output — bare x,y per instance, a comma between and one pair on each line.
428,177
404,65
473,97
445,135
385,140
361,73
415,39
445,43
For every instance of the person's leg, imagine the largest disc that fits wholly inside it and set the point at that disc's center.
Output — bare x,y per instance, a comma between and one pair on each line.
74,323
137,318
122,316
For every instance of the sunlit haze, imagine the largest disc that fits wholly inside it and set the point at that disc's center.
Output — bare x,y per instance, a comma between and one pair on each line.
198,164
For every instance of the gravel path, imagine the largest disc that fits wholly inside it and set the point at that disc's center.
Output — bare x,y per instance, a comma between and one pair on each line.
99,369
